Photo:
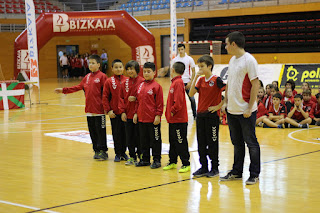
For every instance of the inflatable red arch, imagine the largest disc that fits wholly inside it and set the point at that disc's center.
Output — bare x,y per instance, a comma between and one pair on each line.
85,24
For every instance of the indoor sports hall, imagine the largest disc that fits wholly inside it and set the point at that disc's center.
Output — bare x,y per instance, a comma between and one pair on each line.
46,157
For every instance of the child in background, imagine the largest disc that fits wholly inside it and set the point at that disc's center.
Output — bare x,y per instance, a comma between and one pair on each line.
92,85
288,99
290,84
305,86
149,110
307,100
276,86
129,93
277,113
315,112
177,117
298,115
209,88
112,103
262,111
267,100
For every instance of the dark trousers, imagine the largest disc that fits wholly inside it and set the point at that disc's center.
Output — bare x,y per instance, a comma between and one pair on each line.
208,140
132,138
243,130
98,134
178,143
150,137
193,103
119,137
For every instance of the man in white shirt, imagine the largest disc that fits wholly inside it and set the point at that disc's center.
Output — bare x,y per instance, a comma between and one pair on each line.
241,107
188,74
64,65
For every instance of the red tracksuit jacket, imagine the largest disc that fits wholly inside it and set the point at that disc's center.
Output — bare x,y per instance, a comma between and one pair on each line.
129,88
149,101
111,94
92,84
176,102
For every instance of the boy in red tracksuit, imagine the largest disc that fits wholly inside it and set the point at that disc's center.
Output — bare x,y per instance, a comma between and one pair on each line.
277,113
112,103
92,85
299,114
209,88
315,112
128,94
177,117
149,110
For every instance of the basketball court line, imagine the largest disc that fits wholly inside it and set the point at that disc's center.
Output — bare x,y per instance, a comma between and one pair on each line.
155,186
24,206
303,141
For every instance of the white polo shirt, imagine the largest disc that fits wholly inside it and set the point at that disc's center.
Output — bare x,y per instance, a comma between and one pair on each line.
64,60
189,64
241,72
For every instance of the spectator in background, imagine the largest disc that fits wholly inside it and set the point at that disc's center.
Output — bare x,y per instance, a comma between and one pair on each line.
64,65
104,58
290,84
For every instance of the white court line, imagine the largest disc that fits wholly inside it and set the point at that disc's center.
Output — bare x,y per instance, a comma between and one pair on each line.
290,136
24,206
42,130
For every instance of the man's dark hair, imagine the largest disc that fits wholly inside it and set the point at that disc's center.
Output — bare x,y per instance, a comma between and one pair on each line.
95,57
182,45
150,65
277,95
207,59
116,61
298,96
270,86
179,67
134,64
293,85
238,38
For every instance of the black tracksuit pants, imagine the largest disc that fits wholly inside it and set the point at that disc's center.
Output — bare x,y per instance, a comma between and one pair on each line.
150,137
98,134
178,143
132,138
208,140
119,137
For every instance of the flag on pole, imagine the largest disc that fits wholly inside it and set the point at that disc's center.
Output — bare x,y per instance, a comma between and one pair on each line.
32,42
173,30
11,95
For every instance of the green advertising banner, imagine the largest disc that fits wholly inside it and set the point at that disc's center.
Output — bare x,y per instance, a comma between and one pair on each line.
300,73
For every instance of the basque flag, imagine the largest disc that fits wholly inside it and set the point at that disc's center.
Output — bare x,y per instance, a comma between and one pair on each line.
11,96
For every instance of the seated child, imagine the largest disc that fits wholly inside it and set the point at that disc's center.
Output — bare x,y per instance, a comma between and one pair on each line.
262,111
298,115
306,94
267,100
315,112
290,84
288,99
277,112
305,86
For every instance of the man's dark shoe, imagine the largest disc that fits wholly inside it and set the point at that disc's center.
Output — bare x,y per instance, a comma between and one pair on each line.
155,165
96,155
124,157
117,158
142,163
200,172
231,176
252,180
213,173
102,155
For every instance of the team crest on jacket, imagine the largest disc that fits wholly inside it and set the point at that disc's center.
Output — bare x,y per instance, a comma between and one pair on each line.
97,80
171,90
211,83
150,92
114,85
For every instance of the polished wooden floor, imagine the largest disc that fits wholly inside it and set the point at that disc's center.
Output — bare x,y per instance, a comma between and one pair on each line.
39,173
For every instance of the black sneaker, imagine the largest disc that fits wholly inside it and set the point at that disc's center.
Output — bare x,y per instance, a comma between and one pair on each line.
200,172
103,155
231,176
142,163
306,126
155,165
213,173
265,126
96,155
252,180
124,157
117,158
